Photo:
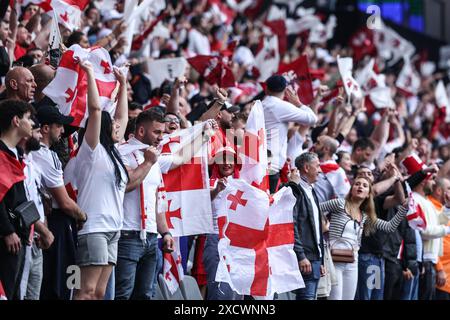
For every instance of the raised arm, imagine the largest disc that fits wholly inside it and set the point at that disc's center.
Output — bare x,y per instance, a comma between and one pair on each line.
92,135
121,115
215,109
173,106
391,225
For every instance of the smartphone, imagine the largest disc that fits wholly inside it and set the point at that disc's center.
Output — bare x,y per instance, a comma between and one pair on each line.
55,57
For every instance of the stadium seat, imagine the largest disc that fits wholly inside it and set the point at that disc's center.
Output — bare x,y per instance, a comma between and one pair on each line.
165,291
190,289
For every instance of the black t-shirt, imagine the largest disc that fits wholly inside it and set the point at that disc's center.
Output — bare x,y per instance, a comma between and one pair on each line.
374,243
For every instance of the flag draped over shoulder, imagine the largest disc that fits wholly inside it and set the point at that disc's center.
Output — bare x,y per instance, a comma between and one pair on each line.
11,173
69,87
187,187
415,215
172,268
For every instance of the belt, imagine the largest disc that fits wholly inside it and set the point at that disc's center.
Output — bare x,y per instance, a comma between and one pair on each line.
129,233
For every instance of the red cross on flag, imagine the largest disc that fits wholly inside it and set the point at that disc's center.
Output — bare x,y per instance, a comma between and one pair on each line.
351,87
253,152
267,59
172,269
68,12
187,186
391,46
302,77
69,87
442,100
408,81
256,240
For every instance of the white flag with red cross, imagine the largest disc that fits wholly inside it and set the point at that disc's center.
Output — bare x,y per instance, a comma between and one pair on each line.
166,69
442,100
267,59
172,268
337,178
351,86
415,215
253,152
69,87
391,46
408,81
68,12
187,187
256,241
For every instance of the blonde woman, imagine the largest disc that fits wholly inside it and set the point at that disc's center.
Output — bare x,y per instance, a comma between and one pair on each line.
349,218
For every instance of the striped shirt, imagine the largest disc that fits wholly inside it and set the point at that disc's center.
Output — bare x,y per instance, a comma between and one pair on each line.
343,226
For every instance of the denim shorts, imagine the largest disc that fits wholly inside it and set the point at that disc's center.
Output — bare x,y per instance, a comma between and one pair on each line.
97,249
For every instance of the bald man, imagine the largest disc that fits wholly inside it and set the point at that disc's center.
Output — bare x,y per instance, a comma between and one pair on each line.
43,75
20,84
333,181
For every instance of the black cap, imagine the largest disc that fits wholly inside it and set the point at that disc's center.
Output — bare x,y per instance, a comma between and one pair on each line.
276,83
230,108
50,114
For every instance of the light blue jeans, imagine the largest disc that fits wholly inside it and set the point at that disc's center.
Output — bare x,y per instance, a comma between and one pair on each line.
371,275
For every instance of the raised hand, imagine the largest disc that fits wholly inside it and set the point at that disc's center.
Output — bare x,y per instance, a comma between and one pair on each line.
222,94
151,155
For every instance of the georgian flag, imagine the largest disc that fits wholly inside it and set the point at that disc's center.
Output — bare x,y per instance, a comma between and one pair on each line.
253,152
337,178
69,87
166,69
267,59
256,241
187,187
68,12
442,100
351,87
408,81
391,46
302,78
415,215
362,43
214,70
172,268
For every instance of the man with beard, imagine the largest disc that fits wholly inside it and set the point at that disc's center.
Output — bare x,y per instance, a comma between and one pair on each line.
23,42
42,237
137,249
65,215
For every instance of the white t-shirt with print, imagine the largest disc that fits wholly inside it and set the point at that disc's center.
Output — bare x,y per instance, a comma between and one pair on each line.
98,194
33,177
50,167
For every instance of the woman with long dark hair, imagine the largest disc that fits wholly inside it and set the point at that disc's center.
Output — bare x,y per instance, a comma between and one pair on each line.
349,218
101,181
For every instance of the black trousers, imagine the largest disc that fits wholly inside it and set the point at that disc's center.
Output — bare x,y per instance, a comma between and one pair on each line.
442,295
273,182
393,282
427,282
58,257
11,268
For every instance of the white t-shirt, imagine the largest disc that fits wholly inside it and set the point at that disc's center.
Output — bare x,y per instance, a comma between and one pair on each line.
132,200
51,169
98,194
33,178
278,114
198,43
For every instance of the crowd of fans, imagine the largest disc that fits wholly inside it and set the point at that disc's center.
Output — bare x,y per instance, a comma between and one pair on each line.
348,166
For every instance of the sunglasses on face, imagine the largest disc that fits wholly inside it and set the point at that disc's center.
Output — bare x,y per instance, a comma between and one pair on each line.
172,120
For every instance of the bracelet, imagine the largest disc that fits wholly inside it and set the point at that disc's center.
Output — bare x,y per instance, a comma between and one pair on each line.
165,234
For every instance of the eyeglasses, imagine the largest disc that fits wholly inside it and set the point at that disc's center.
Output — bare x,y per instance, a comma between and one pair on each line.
172,120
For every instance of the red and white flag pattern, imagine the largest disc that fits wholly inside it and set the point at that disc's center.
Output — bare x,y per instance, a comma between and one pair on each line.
214,70
253,152
256,241
442,100
68,12
351,87
172,268
267,59
391,46
69,87
337,178
166,69
408,81
415,215
187,187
